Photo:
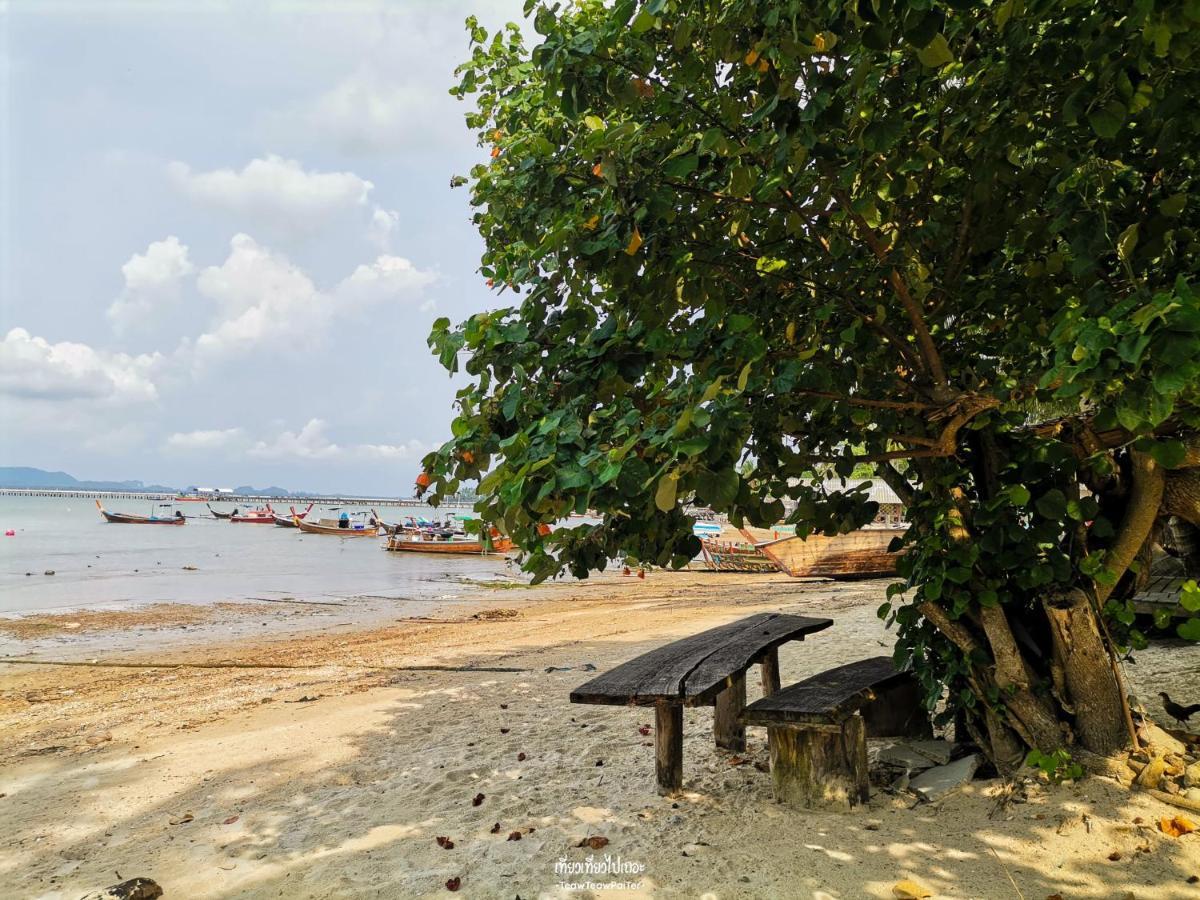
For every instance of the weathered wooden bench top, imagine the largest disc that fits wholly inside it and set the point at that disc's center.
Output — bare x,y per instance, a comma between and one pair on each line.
692,671
826,699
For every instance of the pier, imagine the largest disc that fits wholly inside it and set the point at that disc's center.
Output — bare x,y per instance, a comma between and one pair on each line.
243,499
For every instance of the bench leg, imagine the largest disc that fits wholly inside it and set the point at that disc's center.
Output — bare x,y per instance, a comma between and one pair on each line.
668,746
729,733
770,672
812,768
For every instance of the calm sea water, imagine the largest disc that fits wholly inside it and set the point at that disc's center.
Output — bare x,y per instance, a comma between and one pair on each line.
98,565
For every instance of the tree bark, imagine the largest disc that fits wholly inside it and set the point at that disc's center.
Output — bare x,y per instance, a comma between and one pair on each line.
1093,687
1145,500
1181,495
1012,675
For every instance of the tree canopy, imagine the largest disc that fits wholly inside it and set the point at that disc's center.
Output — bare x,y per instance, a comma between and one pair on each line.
956,241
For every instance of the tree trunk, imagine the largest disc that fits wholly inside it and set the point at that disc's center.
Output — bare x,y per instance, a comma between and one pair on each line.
1037,717
1093,687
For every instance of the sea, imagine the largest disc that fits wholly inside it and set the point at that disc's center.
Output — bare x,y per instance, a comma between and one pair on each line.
61,556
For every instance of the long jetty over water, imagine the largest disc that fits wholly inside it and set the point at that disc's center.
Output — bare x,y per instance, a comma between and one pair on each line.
410,502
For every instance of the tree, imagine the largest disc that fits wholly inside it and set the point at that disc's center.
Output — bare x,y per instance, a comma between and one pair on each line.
955,241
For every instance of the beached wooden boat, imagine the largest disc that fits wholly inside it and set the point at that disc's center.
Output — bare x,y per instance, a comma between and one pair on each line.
127,519
288,521
218,515
427,543
336,527
734,556
859,554
264,515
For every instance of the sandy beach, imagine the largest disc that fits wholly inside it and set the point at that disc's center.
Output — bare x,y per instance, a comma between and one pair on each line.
327,764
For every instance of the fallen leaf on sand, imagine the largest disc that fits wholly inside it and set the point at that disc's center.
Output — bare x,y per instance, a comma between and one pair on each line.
444,842
737,761
504,731
596,842
910,890
304,699
453,884
644,730
1176,827
514,836
520,757
504,706
496,828
477,799
1114,856
182,820
1054,897
231,820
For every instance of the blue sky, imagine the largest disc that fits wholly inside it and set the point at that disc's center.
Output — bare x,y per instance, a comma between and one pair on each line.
227,228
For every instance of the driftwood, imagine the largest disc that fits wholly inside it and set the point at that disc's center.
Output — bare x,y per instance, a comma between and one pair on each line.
133,889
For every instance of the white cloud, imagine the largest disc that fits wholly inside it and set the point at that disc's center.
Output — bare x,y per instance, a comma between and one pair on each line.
275,192
383,223
152,283
387,277
33,369
312,442
263,298
205,440
373,112
308,443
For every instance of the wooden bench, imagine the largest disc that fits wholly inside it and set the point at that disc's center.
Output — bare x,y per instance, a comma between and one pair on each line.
818,729
706,669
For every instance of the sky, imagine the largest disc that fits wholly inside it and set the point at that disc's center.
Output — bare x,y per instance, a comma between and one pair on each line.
225,231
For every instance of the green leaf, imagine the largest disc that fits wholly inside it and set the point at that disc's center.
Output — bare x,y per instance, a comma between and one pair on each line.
1189,629
1168,453
664,497
1052,504
1018,494
643,22
936,53
1107,120
681,166
594,123
1127,241
1173,206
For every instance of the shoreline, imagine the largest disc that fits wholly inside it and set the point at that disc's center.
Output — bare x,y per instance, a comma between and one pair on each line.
324,765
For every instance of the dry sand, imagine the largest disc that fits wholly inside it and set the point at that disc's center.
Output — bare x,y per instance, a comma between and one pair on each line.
275,795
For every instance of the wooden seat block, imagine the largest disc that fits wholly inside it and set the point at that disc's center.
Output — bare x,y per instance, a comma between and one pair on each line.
820,769
818,729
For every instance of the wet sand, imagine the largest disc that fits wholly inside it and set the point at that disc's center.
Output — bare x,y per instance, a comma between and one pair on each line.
326,764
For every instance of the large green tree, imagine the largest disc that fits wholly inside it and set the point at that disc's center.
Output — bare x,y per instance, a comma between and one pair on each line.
956,241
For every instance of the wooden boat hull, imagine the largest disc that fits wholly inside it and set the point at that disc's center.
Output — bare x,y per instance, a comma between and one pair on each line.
125,519
859,554
219,515
723,556
335,531
254,520
402,544
288,521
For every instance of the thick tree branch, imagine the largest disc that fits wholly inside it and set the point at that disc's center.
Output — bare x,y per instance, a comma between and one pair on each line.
1145,498
895,479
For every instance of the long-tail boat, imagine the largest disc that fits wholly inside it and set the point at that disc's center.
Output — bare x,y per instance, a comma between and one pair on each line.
264,515
219,515
127,519
734,556
340,527
288,521
430,543
859,554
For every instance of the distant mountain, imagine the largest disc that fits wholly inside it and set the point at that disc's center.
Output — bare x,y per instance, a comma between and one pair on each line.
27,477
